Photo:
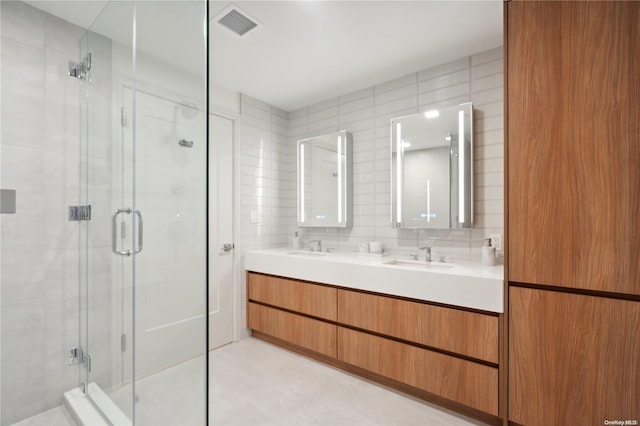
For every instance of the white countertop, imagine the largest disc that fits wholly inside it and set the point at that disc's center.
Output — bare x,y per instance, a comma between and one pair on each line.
467,284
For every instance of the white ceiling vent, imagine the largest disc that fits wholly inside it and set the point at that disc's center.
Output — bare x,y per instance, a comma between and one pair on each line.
237,20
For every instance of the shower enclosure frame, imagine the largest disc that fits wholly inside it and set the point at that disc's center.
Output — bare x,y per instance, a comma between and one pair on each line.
133,221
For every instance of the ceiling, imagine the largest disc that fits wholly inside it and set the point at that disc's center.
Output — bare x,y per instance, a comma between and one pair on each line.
307,51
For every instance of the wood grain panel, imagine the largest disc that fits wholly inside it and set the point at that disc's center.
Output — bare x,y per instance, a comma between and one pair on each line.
467,333
466,382
574,144
308,333
311,299
574,359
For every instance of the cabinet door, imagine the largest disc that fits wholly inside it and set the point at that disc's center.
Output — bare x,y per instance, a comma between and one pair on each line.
573,359
466,382
306,332
311,299
573,147
454,330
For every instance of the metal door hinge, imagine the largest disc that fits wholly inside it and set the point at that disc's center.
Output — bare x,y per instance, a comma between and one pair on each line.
86,362
80,69
123,342
123,117
75,355
78,356
77,213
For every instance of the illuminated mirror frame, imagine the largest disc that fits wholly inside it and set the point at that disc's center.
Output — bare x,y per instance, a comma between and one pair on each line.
344,191
461,163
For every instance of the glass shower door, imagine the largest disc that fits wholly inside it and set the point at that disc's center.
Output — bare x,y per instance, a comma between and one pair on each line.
111,238
143,253
169,304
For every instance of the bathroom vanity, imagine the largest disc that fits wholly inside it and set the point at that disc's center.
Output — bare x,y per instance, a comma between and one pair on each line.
428,329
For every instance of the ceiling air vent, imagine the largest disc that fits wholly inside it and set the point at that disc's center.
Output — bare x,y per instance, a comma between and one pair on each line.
237,20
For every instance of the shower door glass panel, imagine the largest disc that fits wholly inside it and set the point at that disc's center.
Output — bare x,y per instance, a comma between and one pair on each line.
169,271
171,156
144,170
107,185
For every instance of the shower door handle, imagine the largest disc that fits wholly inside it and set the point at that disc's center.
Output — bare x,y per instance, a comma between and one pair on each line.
114,232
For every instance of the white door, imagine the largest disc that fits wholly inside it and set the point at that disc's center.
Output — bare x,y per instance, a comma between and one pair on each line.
221,225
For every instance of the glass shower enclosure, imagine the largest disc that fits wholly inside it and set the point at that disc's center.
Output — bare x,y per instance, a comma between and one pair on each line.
130,177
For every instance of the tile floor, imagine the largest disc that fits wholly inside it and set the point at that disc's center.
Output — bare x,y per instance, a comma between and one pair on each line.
256,383
55,417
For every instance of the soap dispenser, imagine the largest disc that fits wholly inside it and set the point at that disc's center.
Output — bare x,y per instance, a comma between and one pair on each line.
488,253
296,240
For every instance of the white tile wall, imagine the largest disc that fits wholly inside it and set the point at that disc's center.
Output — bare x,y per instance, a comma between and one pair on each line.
41,149
266,180
366,113
487,97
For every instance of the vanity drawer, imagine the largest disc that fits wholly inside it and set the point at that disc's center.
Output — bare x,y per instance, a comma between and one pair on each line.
308,333
311,299
463,381
467,333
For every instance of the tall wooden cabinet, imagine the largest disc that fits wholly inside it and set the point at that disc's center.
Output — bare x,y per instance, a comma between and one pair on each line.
574,358
573,87
573,210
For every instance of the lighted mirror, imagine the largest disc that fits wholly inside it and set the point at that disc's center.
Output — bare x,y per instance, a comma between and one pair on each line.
432,169
324,181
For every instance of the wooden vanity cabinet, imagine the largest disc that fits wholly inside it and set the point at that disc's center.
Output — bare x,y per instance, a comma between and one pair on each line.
303,297
408,337
283,308
308,333
438,353
463,381
454,330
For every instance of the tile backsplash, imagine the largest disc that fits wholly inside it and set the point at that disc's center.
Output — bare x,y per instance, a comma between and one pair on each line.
268,164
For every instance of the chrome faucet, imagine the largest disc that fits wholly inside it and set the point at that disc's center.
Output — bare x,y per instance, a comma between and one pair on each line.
319,244
427,256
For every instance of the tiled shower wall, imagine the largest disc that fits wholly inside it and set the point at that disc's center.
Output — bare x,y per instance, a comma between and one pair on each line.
49,140
41,157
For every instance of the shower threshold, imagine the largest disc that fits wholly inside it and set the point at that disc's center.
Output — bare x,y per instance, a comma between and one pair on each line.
84,413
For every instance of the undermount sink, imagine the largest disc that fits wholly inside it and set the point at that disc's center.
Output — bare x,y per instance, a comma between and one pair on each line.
419,264
307,253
